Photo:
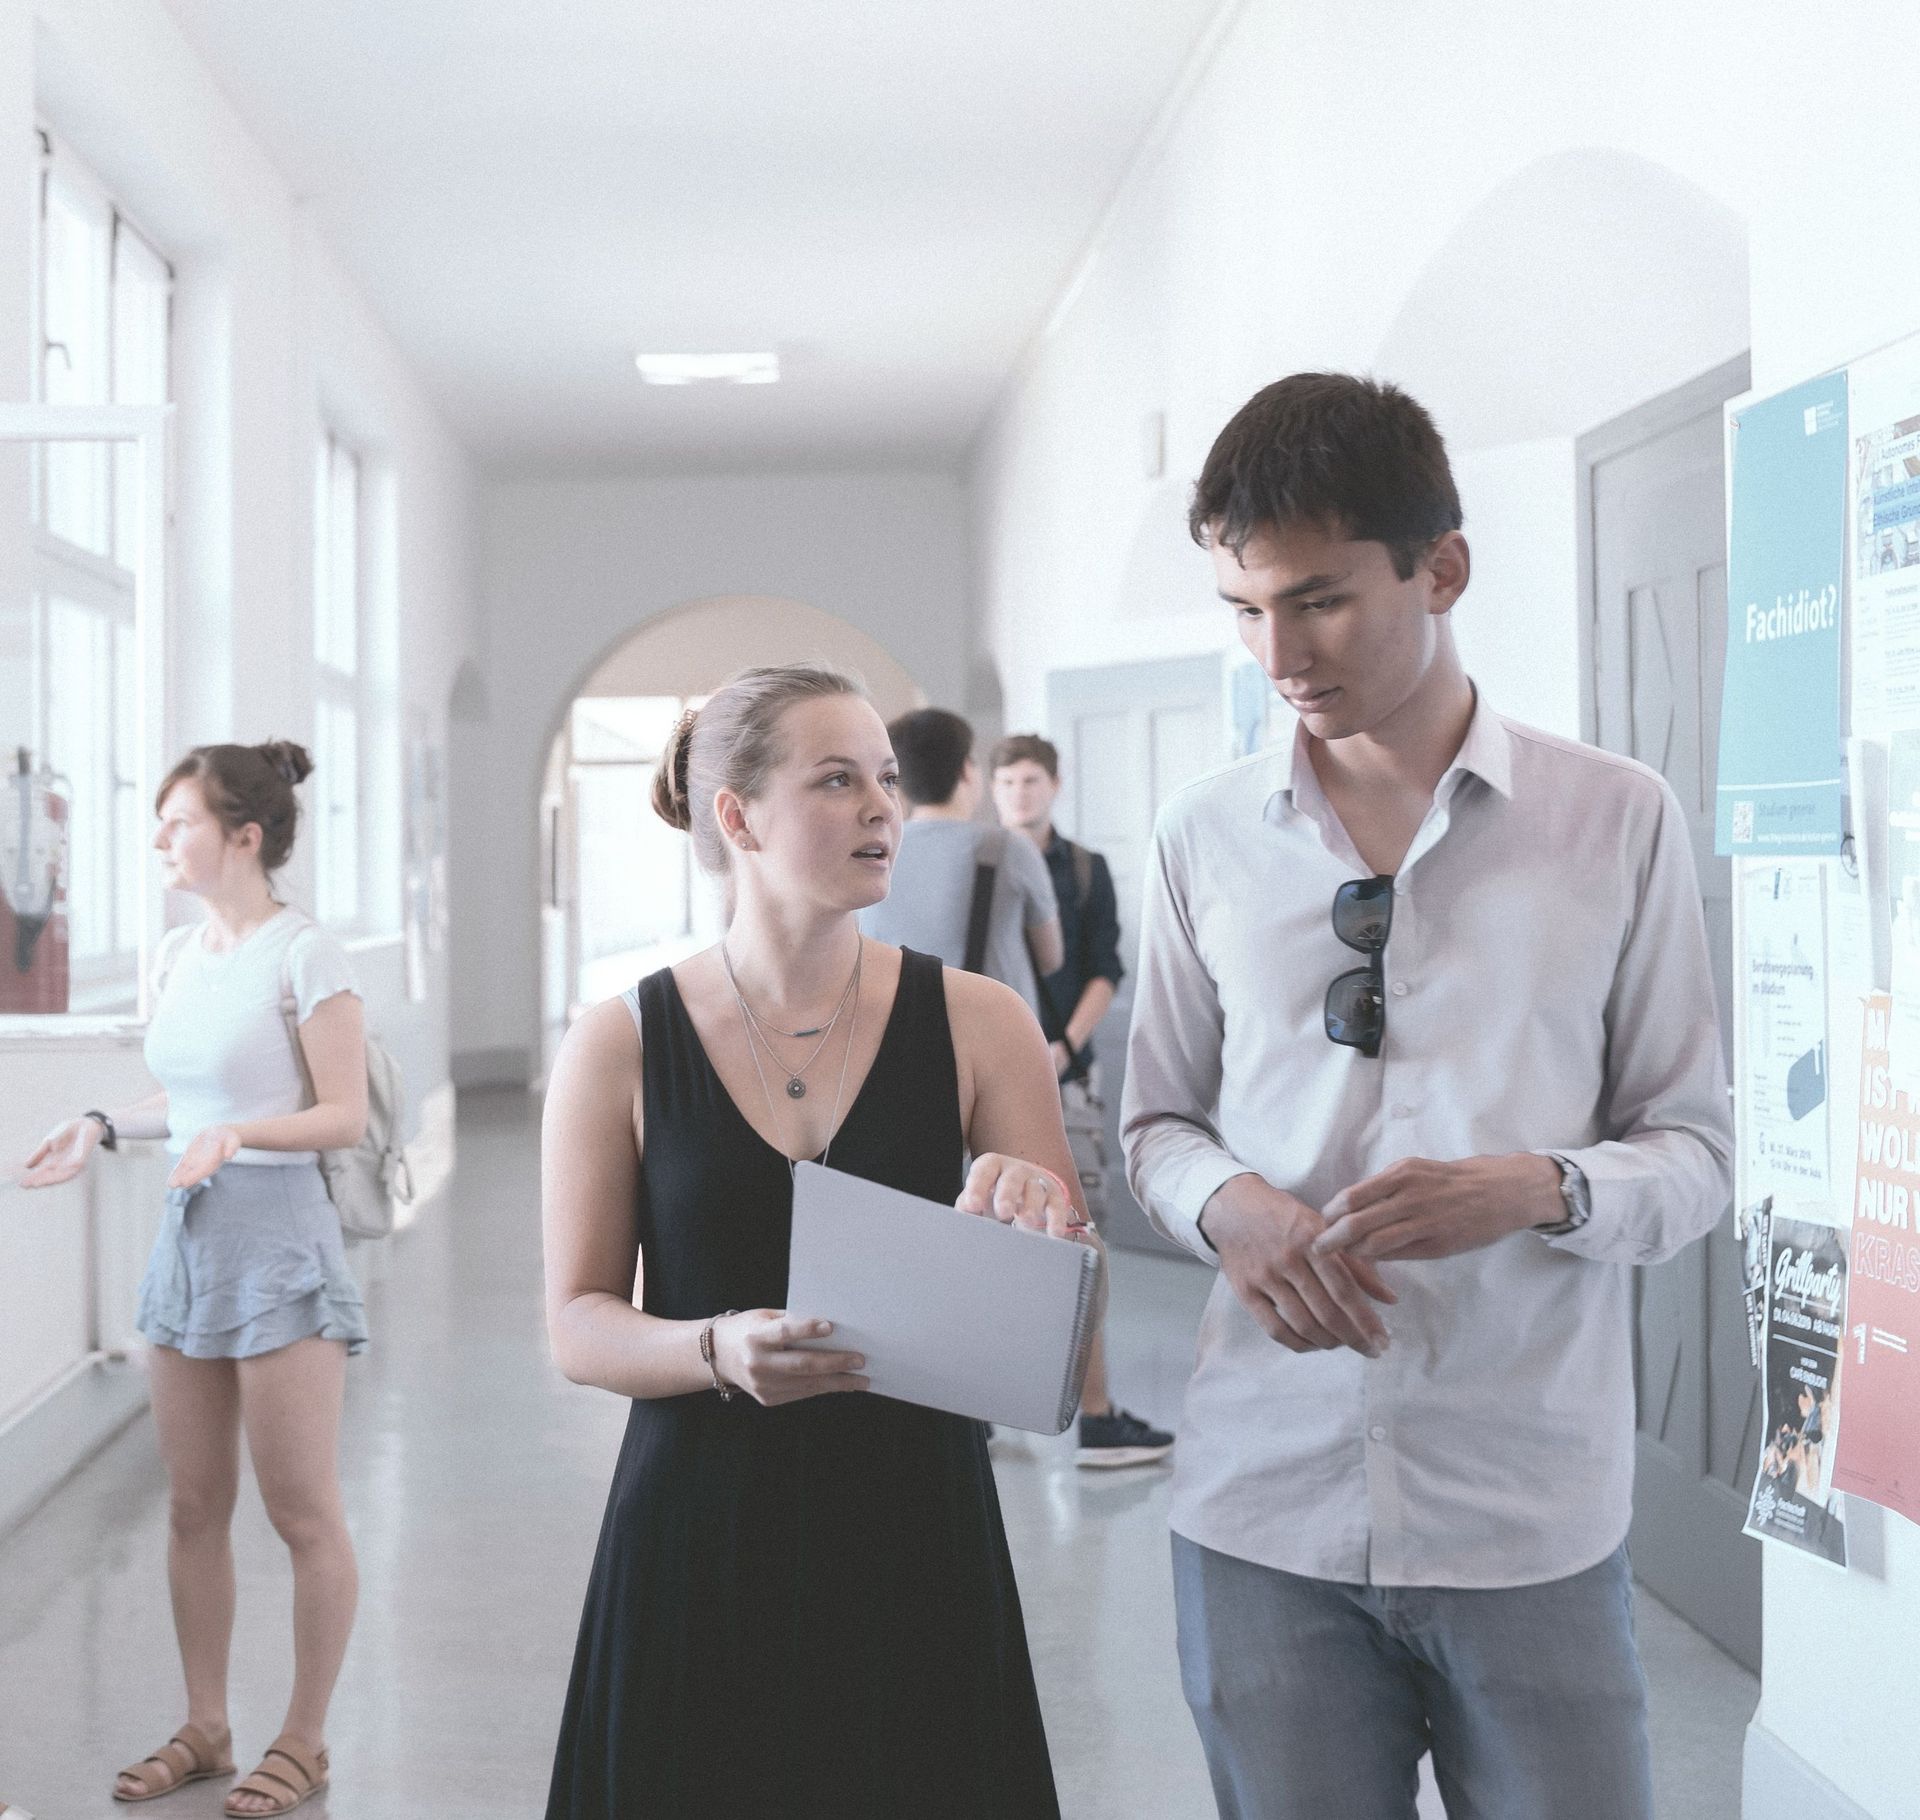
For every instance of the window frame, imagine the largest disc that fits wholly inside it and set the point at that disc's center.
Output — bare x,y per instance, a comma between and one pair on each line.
145,429
124,309
336,688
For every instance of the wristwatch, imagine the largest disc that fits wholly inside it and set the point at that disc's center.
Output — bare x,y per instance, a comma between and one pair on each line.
112,1139
1575,1197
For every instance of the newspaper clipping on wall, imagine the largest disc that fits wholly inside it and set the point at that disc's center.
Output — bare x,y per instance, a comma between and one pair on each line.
1884,523
1783,1111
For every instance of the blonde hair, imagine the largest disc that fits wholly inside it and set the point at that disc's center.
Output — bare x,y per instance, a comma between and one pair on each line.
733,743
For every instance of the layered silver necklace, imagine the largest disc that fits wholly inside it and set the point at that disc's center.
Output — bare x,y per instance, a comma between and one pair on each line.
757,1026
751,1022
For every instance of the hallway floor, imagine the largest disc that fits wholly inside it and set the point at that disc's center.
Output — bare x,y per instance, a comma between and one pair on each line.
475,1478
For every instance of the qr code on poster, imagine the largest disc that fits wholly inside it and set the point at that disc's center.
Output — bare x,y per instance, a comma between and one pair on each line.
1742,823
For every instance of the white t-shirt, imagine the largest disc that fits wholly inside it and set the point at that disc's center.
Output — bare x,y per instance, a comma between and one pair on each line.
218,1041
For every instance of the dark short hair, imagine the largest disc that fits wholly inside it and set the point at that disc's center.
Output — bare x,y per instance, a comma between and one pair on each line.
1025,749
1354,457
933,747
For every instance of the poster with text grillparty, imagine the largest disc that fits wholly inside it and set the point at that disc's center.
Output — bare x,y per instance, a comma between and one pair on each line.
1794,1499
1880,1456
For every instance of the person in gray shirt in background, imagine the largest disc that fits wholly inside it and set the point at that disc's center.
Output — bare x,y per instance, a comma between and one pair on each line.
943,849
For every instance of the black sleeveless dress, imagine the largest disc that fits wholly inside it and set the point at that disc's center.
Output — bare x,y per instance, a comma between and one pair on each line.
807,1611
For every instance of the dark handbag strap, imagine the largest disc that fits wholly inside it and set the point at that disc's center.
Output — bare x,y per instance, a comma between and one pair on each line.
986,871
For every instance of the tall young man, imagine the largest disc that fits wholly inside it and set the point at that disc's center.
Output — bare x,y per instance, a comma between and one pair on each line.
1425,1058
1073,999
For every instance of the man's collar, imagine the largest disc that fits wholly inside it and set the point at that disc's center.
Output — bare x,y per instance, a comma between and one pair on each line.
1486,753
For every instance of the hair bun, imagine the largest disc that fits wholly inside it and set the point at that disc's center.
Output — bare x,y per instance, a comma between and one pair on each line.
670,800
293,762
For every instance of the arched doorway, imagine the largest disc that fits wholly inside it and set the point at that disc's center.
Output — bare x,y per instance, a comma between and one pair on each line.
620,895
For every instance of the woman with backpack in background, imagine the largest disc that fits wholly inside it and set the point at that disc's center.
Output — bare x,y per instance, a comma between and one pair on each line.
247,1300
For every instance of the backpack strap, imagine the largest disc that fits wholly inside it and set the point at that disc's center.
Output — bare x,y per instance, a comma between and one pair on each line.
290,1010
986,871
167,956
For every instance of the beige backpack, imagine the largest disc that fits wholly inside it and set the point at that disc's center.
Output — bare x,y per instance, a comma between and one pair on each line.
365,1182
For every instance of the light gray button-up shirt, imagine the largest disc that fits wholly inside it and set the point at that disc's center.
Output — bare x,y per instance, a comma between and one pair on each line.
1548,989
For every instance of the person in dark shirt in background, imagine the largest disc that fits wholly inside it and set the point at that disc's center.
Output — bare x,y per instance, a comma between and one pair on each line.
1074,998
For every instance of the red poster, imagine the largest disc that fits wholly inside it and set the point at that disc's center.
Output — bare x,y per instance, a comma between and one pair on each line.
1879,1450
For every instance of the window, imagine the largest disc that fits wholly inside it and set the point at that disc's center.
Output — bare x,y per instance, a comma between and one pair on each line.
642,901
337,673
354,798
71,671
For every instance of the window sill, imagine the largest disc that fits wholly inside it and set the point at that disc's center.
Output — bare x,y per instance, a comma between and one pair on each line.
21,1034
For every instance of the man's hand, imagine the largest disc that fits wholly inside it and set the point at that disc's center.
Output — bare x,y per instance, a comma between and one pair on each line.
1420,1209
1306,1301
1062,1059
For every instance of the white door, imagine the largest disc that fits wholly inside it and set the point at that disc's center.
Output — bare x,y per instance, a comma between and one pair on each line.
1129,736
1658,530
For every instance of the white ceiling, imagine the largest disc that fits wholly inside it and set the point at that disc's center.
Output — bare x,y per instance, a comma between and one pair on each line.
891,193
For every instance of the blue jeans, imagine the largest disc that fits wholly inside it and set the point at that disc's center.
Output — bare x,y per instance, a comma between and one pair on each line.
1316,1699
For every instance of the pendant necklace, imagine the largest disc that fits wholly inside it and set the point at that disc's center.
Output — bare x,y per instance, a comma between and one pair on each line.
753,1049
758,1026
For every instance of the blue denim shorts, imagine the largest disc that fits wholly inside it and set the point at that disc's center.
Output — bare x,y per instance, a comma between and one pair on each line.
248,1262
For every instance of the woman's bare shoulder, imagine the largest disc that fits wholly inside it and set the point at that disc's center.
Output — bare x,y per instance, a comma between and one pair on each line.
982,1010
601,1046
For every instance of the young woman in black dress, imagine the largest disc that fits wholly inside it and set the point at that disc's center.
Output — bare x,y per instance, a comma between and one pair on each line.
802,1601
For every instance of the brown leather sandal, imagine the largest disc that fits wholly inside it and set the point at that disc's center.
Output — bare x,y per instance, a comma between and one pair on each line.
188,1756
289,1775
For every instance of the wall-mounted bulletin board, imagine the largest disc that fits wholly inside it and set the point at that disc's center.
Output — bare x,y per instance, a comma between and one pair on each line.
1819,806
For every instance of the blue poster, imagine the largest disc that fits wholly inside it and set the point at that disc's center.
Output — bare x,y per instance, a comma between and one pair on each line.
1780,786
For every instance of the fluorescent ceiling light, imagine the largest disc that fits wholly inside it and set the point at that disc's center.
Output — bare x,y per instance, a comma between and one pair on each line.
708,369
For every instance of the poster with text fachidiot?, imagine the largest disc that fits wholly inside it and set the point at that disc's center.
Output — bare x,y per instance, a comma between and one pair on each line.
1780,782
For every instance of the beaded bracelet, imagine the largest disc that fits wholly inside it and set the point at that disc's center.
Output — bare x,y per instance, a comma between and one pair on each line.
720,1384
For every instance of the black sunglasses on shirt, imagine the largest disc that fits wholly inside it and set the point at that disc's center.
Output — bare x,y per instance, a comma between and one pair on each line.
1356,1008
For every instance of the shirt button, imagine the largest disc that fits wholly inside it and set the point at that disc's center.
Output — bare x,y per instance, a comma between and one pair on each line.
1376,1433
1400,988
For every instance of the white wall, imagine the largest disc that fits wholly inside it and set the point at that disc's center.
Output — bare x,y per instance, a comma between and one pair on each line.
693,649
269,334
1536,218
571,568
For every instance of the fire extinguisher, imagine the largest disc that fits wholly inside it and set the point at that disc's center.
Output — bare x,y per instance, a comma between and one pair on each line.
34,974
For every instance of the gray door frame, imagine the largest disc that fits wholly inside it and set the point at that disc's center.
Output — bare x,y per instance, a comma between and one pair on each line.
1615,437
1713,1579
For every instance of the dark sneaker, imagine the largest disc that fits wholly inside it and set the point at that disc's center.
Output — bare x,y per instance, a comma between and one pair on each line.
1120,1439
